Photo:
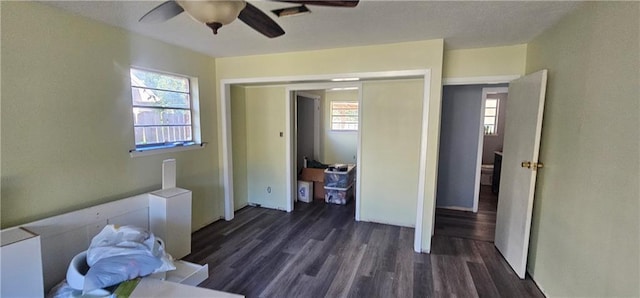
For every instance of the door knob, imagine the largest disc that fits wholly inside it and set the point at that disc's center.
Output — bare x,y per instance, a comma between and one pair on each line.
532,165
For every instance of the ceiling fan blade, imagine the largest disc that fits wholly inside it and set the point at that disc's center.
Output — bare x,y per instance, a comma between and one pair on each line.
259,21
162,12
346,3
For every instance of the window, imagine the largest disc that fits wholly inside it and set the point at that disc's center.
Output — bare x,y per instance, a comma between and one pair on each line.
491,116
344,115
162,109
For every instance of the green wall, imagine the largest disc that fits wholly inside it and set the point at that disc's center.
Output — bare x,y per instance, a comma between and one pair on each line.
265,157
391,133
338,146
585,232
67,120
482,62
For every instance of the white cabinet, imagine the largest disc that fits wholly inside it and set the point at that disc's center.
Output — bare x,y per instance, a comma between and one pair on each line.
170,219
158,288
21,264
188,273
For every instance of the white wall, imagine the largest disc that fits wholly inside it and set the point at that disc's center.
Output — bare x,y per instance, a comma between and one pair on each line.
239,142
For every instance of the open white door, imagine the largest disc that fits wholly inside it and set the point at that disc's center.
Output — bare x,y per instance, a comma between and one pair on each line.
519,167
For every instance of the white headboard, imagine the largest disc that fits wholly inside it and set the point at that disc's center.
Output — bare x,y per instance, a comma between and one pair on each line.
166,213
65,235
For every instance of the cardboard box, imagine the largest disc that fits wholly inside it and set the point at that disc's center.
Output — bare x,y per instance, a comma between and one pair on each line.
311,174
317,176
318,190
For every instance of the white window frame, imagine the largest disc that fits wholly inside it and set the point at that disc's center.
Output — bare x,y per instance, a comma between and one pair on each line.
331,115
194,143
495,117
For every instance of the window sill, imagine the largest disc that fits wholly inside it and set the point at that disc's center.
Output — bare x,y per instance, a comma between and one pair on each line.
161,150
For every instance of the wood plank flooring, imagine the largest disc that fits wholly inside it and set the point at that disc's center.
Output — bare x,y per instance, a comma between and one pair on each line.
466,224
320,251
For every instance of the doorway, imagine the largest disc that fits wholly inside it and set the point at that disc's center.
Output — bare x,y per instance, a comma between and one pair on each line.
307,127
319,144
326,134
421,93
472,126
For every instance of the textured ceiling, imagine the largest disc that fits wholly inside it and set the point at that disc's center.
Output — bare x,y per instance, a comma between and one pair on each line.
462,24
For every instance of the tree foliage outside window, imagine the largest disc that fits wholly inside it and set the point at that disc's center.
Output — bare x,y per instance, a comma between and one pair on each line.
344,115
161,108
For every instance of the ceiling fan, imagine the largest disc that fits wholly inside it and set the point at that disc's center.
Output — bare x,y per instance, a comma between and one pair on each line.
216,13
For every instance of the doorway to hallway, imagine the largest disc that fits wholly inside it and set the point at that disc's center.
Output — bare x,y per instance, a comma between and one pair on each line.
472,125
469,225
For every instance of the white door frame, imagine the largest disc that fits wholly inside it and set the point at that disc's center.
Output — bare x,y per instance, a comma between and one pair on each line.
290,104
452,81
479,80
485,93
295,83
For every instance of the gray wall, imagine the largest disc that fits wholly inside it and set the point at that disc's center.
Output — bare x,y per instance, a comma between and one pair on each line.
460,126
305,129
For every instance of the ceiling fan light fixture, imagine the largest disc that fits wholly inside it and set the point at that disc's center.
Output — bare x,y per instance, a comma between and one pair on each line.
291,11
213,11
217,13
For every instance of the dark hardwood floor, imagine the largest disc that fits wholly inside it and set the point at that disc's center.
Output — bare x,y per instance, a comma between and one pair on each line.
466,224
320,251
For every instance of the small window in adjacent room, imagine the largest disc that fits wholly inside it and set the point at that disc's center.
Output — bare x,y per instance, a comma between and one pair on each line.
162,109
344,115
491,116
